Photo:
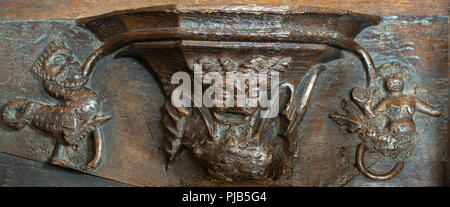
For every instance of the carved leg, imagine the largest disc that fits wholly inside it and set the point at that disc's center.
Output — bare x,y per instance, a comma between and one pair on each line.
59,157
366,172
98,156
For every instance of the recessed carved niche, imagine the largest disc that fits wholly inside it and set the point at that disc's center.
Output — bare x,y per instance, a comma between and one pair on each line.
231,145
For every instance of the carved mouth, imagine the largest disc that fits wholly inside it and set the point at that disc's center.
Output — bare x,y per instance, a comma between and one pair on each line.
244,111
73,82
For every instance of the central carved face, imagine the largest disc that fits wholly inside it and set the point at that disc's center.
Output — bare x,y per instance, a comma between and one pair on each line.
248,79
239,143
245,96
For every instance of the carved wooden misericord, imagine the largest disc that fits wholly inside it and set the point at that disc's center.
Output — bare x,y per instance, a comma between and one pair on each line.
231,144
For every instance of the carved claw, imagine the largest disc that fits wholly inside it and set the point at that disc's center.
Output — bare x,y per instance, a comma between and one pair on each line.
88,168
375,176
97,120
63,163
98,156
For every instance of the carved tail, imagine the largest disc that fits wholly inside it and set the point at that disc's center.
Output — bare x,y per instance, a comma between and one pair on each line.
17,113
376,176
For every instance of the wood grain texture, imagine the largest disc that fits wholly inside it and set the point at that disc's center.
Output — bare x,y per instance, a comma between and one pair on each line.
123,82
326,155
326,152
71,9
20,172
422,45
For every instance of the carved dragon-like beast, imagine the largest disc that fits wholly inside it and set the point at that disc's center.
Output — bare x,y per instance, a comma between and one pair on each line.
75,117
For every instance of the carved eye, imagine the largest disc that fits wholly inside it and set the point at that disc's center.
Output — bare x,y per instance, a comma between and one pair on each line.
59,60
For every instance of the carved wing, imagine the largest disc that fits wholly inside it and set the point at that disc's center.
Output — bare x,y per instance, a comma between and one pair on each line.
354,120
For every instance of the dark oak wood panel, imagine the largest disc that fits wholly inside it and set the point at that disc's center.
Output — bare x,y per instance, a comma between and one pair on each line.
416,42
20,172
414,33
71,9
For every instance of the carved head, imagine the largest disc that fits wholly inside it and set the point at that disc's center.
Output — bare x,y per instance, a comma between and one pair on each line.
57,63
259,67
393,76
394,82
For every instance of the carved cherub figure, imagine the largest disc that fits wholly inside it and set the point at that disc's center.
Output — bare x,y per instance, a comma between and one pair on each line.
75,117
400,108
394,137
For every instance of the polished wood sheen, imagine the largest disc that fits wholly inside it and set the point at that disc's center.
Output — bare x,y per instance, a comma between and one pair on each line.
364,98
69,9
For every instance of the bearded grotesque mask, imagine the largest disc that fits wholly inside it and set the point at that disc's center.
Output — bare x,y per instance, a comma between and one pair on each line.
251,82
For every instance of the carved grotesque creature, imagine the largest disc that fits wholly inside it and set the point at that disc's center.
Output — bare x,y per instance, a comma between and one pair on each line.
74,118
236,143
388,128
